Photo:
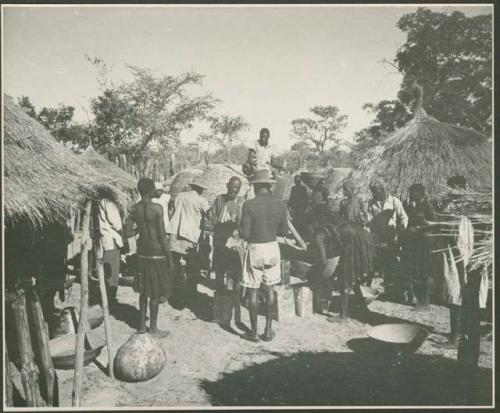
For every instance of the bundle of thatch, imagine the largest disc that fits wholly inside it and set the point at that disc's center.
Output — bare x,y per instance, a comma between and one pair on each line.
121,178
427,151
282,188
478,207
43,180
182,179
216,177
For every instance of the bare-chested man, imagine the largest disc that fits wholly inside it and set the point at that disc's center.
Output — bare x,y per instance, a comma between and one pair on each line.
153,280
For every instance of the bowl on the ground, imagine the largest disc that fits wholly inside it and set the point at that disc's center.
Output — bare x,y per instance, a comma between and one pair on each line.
401,337
62,350
369,294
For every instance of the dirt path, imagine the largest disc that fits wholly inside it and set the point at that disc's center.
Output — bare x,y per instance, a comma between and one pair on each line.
309,362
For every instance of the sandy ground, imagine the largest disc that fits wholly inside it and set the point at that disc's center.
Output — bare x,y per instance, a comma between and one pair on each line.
310,362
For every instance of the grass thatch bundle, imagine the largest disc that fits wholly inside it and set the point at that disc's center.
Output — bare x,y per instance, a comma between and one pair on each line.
43,180
216,177
478,207
121,178
426,151
182,179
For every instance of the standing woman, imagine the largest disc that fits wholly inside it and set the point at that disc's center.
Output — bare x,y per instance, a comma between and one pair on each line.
154,264
358,248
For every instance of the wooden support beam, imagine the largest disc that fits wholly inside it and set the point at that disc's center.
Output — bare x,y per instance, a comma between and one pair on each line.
9,402
41,340
104,297
82,324
29,370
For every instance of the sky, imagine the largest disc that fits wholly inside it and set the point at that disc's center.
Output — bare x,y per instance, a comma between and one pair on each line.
267,64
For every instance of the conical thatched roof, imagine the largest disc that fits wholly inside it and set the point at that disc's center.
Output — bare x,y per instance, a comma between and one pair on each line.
121,178
42,179
426,151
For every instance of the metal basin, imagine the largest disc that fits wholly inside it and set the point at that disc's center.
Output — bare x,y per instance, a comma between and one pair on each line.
402,337
62,350
299,269
67,322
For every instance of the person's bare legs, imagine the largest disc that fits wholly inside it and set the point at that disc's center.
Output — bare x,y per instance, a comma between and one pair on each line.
270,303
154,305
253,309
344,308
143,308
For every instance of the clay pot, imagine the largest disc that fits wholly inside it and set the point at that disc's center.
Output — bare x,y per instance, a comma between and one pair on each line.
140,358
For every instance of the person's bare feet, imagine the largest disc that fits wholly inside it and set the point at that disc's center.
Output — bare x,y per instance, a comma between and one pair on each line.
159,333
337,319
268,335
249,336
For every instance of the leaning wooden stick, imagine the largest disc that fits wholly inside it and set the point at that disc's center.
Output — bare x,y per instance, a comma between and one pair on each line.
42,342
296,234
82,324
104,296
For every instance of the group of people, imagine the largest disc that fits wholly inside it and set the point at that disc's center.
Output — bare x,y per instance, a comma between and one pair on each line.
347,245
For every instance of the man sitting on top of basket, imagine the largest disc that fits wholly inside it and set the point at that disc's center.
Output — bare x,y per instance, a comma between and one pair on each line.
263,218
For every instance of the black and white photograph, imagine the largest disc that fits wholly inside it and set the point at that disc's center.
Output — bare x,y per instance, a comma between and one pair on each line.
247,206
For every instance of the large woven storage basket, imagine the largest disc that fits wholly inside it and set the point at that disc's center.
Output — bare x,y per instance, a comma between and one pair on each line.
182,179
216,176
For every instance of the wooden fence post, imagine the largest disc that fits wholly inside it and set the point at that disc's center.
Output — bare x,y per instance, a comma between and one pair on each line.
41,336
104,297
82,323
29,370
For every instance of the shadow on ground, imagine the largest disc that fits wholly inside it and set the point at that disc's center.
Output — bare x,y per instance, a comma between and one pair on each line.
350,379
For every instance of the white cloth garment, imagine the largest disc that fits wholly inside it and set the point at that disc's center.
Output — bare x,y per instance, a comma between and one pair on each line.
261,265
110,225
263,155
186,221
163,200
398,217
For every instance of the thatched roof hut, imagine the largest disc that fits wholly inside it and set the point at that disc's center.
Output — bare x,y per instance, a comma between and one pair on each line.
426,151
42,179
121,178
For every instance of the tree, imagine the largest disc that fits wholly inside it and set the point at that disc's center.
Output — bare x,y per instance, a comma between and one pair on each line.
225,132
450,56
59,121
144,118
322,131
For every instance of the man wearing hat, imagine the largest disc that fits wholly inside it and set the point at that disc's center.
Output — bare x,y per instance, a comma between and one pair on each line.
163,199
185,230
263,218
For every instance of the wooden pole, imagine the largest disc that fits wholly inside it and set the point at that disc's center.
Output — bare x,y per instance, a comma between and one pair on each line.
104,296
82,323
41,336
29,371
9,402
297,236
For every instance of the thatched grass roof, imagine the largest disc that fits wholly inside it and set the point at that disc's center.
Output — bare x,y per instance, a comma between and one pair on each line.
121,178
42,179
426,151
